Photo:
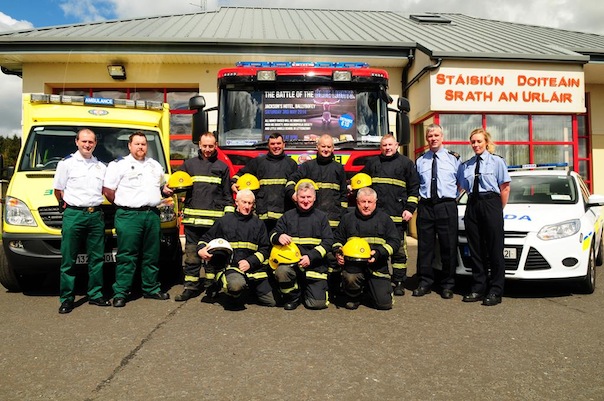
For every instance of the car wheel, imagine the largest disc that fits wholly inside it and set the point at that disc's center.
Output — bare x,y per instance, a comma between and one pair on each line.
587,285
600,254
8,278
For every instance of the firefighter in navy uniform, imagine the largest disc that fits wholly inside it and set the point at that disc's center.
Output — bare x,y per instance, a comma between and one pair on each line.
437,214
377,228
248,238
330,178
308,228
209,199
396,183
272,170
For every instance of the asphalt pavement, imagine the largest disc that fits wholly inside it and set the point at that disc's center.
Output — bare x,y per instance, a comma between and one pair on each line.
542,343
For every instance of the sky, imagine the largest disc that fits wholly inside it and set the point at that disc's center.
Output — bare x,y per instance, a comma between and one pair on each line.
574,15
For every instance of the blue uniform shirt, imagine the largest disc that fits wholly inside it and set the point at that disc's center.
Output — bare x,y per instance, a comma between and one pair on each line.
447,166
493,173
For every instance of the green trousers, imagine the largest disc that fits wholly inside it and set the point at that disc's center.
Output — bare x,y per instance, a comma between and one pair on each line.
138,241
79,225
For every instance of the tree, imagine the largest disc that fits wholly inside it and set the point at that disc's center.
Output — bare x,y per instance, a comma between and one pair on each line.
9,147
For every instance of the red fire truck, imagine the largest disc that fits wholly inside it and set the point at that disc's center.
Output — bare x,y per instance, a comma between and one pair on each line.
302,101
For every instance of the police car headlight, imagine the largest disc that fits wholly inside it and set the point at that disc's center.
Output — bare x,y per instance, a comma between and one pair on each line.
560,230
17,213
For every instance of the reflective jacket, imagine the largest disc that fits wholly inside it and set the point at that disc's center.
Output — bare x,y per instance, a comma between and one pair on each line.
210,196
272,172
396,182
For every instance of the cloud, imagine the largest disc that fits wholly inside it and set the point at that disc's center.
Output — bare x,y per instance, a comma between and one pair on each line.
8,23
88,10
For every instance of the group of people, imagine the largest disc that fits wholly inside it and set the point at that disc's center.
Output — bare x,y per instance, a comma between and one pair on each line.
292,239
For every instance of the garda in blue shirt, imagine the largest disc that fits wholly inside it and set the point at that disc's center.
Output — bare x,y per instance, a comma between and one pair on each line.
448,164
493,173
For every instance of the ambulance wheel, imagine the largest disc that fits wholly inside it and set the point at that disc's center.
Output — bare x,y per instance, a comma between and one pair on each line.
8,277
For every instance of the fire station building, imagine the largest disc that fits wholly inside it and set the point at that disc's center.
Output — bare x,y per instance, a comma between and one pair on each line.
537,90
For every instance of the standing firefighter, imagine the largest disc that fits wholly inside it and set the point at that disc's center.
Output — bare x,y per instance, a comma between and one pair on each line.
395,180
208,200
272,170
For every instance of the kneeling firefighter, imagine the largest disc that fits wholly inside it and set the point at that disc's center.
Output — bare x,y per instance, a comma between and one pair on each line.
247,237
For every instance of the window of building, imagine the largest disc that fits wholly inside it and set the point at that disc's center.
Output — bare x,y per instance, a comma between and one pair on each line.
519,138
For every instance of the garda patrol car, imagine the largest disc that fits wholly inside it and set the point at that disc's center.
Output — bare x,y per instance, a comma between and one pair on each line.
553,227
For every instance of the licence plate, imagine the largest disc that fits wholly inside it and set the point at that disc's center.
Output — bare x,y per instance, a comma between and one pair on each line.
509,253
109,257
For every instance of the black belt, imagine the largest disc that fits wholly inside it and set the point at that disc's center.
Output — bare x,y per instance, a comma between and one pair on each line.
138,209
89,209
431,201
484,196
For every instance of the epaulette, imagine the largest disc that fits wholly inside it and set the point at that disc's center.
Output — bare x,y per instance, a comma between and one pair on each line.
119,159
454,154
493,154
421,154
67,157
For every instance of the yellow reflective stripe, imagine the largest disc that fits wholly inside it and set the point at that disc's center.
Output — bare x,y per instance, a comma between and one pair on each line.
229,209
210,276
257,275
336,245
328,185
197,222
191,278
288,290
315,275
259,256
270,215
388,249
375,240
412,199
293,183
388,181
399,265
244,245
333,223
207,179
234,268
273,181
397,219
203,212
344,204
306,241
382,275
321,250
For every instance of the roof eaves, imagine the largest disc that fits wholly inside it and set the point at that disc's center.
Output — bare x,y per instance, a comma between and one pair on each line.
577,58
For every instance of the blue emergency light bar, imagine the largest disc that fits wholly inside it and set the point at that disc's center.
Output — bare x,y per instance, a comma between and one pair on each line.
537,166
290,64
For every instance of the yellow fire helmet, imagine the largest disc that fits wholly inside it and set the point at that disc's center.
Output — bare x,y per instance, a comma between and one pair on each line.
360,180
180,181
248,181
284,255
356,250
303,180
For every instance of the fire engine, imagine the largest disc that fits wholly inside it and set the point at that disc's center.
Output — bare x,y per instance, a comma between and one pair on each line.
302,101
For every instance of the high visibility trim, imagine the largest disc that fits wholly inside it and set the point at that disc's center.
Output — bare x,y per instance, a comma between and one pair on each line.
292,183
336,245
388,181
321,250
270,215
229,209
288,290
197,222
210,276
257,275
412,199
375,240
203,212
315,275
191,278
306,240
260,256
399,265
328,185
333,223
206,179
397,219
389,249
244,245
344,204
273,181
381,275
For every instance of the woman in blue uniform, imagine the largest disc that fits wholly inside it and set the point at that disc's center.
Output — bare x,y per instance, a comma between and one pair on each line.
486,179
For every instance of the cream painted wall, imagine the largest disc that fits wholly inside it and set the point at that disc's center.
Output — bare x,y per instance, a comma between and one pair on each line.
596,103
